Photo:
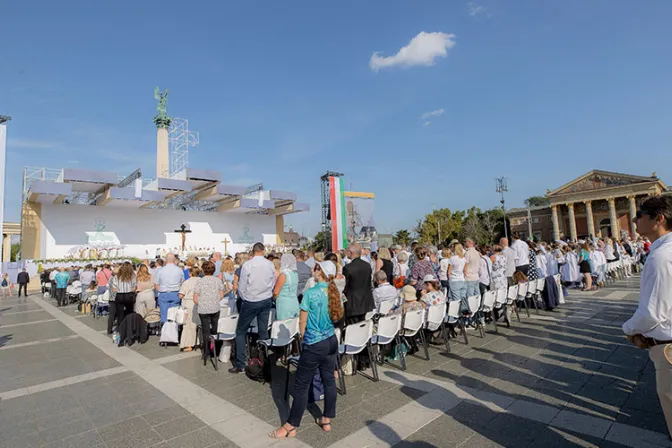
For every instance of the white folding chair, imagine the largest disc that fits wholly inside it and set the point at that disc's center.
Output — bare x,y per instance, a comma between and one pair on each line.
474,303
500,298
102,302
226,331
541,285
488,306
388,330
511,296
436,320
522,295
283,333
369,315
558,284
532,293
385,307
413,323
454,313
357,338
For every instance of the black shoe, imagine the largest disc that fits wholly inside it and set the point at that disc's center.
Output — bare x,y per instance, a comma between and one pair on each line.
235,370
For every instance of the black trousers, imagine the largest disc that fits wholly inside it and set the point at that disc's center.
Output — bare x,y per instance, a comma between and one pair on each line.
125,302
321,357
60,296
25,289
524,269
209,327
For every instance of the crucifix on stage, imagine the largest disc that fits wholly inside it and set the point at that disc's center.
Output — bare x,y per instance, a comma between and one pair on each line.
226,246
183,230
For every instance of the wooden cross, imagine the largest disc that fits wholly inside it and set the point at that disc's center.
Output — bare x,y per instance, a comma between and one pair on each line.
226,246
183,230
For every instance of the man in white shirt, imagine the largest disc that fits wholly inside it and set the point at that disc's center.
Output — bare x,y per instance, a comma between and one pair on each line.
522,252
510,257
255,287
384,292
473,262
167,282
651,325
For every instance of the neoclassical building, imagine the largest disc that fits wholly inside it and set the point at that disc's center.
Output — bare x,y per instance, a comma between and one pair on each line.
599,203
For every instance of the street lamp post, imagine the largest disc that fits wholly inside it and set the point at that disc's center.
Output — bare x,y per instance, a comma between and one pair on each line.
501,188
529,221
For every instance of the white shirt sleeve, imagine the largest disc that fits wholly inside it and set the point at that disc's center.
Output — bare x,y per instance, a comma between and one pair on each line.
242,281
655,299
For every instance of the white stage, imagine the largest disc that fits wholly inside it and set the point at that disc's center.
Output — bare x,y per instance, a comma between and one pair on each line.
141,231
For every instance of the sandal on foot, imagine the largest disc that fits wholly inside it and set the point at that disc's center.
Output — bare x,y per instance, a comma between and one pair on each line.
289,433
323,425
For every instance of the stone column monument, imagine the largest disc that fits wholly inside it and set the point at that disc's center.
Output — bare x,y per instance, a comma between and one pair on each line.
162,122
3,140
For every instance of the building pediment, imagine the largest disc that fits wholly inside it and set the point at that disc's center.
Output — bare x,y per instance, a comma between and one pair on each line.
599,180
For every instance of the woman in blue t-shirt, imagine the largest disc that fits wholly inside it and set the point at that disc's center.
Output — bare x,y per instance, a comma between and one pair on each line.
320,307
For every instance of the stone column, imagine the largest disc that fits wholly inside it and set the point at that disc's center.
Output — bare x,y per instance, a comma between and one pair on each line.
6,248
613,218
556,224
633,213
572,222
162,168
589,218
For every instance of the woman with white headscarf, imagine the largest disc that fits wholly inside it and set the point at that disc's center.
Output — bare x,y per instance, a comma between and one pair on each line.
286,301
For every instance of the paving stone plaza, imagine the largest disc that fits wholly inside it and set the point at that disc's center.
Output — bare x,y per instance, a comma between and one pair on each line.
566,378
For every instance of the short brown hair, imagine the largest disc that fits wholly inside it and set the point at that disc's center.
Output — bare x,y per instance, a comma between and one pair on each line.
194,271
209,268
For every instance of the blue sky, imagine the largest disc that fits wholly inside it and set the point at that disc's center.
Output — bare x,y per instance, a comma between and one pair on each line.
540,92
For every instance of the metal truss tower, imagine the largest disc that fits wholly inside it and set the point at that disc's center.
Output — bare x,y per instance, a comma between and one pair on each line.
326,218
180,138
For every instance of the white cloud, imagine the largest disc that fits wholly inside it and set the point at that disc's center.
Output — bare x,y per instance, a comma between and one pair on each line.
434,113
427,123
476,10
423,49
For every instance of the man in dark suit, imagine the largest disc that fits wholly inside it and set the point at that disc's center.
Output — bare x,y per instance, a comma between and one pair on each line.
23,279
358,287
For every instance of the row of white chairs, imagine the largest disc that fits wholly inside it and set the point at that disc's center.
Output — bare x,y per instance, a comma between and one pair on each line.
390,328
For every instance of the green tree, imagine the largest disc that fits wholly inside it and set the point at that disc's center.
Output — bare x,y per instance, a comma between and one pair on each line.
318,244
536,201
16,248
472,226
439,226
493,225
402,237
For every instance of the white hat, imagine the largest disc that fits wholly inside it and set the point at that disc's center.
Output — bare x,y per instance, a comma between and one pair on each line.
409,293
429,278
328,267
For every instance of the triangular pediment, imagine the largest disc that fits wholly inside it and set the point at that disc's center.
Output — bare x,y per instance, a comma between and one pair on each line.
597,180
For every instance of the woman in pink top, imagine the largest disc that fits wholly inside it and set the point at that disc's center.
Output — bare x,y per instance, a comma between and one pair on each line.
103,278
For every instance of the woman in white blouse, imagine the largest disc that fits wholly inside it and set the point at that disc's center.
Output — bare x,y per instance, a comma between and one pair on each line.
186,294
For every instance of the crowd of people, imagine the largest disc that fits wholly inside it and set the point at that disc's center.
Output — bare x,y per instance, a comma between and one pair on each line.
331,290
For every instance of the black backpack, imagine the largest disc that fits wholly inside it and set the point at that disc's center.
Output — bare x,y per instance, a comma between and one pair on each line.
255,370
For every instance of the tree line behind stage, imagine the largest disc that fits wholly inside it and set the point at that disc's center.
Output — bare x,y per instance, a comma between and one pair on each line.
484,227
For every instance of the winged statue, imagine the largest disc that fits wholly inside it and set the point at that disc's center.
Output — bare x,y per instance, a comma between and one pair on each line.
161,97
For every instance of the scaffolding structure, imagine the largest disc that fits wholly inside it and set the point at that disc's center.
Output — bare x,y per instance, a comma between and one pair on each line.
180,139
32,173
